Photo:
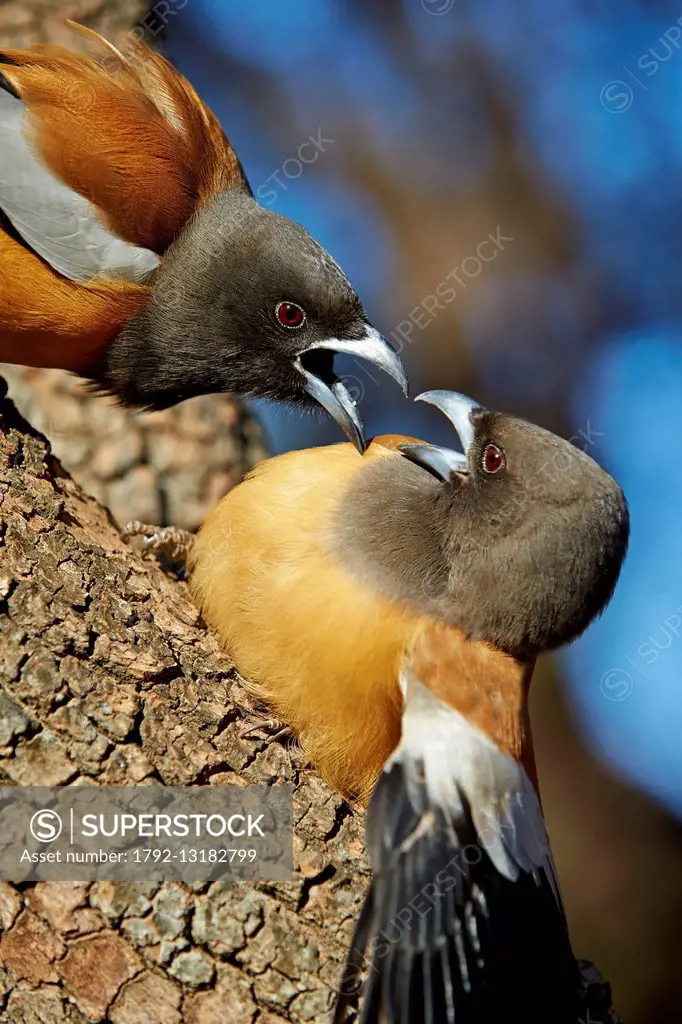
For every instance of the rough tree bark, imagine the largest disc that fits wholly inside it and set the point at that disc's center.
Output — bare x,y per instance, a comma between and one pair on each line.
168,468
43,21
107,675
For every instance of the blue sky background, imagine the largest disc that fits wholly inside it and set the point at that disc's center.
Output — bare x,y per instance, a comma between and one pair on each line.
601,105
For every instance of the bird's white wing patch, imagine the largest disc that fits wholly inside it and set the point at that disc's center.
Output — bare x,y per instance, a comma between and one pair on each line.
58,223
463,920
458,760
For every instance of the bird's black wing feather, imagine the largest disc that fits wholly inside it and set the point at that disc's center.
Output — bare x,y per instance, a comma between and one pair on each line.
444,937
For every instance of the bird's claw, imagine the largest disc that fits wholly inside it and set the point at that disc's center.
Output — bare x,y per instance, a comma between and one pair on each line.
167,543
272,728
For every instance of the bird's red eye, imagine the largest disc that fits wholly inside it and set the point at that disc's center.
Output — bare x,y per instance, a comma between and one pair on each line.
290,315
493,459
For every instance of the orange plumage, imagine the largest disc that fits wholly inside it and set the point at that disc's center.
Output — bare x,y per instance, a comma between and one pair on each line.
49,321
262,572
485,685
131,135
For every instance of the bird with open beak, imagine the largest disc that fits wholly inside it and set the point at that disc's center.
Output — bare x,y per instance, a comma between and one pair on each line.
133,253
390,609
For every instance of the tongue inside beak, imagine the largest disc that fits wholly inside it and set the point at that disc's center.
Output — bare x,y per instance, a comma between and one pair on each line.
316,365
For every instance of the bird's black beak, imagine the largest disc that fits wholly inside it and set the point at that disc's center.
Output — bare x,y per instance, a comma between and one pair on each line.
330,391
443,462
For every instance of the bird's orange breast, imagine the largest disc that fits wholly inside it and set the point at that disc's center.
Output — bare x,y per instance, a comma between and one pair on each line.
322,648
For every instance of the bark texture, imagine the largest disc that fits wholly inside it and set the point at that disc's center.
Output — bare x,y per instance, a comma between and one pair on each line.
23,22
167,468
107,676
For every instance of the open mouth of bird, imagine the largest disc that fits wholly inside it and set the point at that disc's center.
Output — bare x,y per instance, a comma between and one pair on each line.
316,365
318,362
445,463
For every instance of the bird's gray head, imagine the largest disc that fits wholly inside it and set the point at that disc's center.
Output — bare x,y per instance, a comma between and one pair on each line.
247,301
518,540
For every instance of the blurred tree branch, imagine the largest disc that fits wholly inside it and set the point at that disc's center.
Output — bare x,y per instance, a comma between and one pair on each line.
42,21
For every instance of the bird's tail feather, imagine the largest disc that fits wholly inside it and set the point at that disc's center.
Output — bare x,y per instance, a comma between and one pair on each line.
443,937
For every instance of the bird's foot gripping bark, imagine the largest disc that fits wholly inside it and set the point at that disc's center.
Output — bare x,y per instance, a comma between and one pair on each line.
169,544
271,728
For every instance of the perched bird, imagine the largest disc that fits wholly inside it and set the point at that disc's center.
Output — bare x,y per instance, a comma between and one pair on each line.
321,568
133,253
390,608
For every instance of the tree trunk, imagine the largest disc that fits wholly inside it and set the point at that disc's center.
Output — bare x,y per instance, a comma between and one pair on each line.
107,675
24,22
168,468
